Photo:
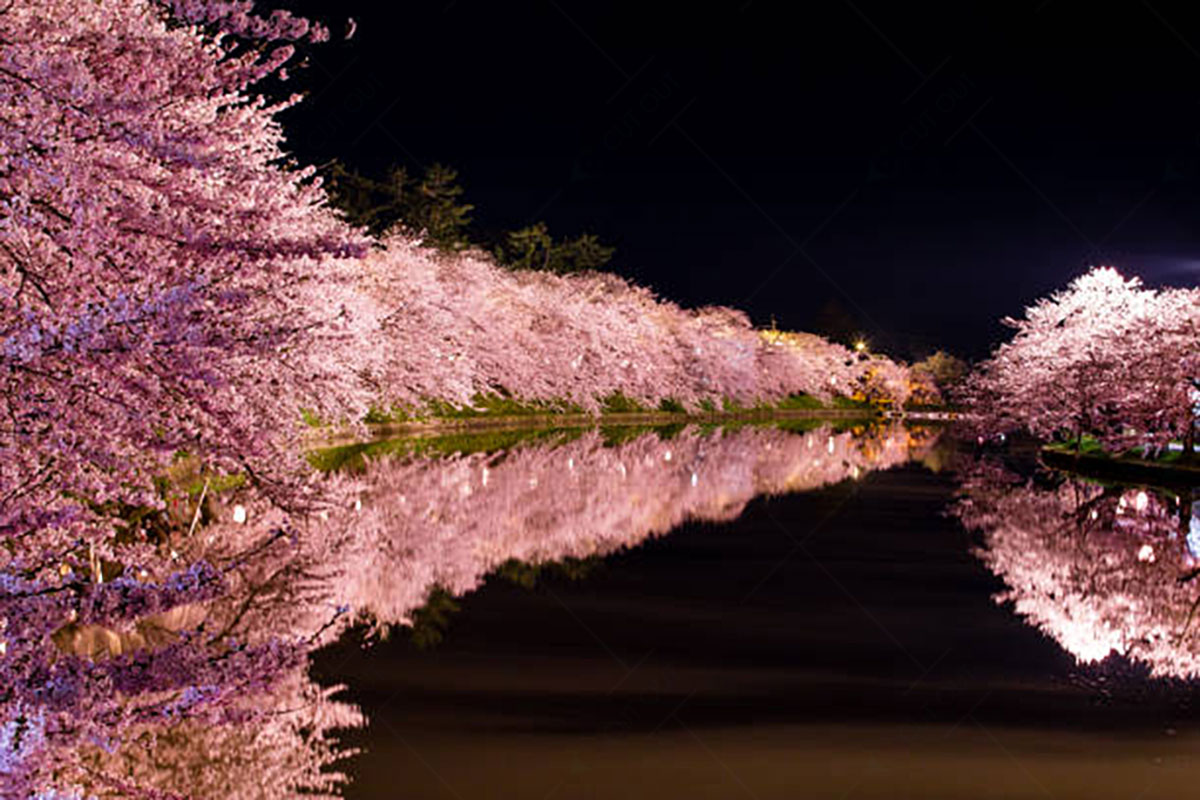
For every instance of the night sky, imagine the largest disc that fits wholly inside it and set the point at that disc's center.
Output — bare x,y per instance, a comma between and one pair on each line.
920,171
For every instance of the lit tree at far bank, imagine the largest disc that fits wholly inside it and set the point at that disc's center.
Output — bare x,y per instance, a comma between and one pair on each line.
1106,358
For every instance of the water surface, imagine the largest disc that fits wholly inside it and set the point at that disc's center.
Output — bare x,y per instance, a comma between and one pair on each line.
843,640
814,609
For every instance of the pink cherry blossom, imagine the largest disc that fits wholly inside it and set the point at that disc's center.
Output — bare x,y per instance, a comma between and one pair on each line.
1105,357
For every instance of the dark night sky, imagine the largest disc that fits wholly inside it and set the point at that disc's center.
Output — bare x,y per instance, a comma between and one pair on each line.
929,169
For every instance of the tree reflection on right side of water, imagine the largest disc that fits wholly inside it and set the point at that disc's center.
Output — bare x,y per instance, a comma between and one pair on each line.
1104,570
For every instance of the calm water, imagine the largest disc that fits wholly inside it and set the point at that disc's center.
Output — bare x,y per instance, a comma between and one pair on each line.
842,640
824,611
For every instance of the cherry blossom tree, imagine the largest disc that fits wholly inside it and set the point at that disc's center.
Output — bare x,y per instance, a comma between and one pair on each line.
457,326
1157,372
1104,357
170,282
173,286
165,284
884,381
936,377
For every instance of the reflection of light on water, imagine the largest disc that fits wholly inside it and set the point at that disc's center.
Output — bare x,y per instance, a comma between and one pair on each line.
1193,536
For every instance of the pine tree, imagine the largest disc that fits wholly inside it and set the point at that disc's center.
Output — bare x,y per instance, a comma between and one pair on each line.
532,247
428,207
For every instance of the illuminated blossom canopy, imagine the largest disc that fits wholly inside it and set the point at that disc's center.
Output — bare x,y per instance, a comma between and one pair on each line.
453,327
171,283
1104,357
1101,570
174,290
162,272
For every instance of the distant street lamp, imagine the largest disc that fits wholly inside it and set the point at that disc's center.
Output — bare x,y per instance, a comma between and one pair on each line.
860,346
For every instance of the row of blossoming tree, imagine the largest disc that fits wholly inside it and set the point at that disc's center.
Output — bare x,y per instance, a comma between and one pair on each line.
173,289
170,283
456,327
1107,358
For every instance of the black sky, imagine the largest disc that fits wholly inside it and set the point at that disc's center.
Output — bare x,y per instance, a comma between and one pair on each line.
928,168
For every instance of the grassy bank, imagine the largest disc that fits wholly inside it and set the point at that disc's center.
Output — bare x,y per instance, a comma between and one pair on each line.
502,406
1092,460
490,435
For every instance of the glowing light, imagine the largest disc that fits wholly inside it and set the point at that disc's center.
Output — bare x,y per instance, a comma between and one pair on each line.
239,514
1193,534
860,346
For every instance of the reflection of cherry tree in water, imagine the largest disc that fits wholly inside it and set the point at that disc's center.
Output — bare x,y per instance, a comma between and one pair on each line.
193,682
122,687
1101,570
449,523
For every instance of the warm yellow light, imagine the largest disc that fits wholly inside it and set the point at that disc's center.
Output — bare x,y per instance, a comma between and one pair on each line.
860,346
